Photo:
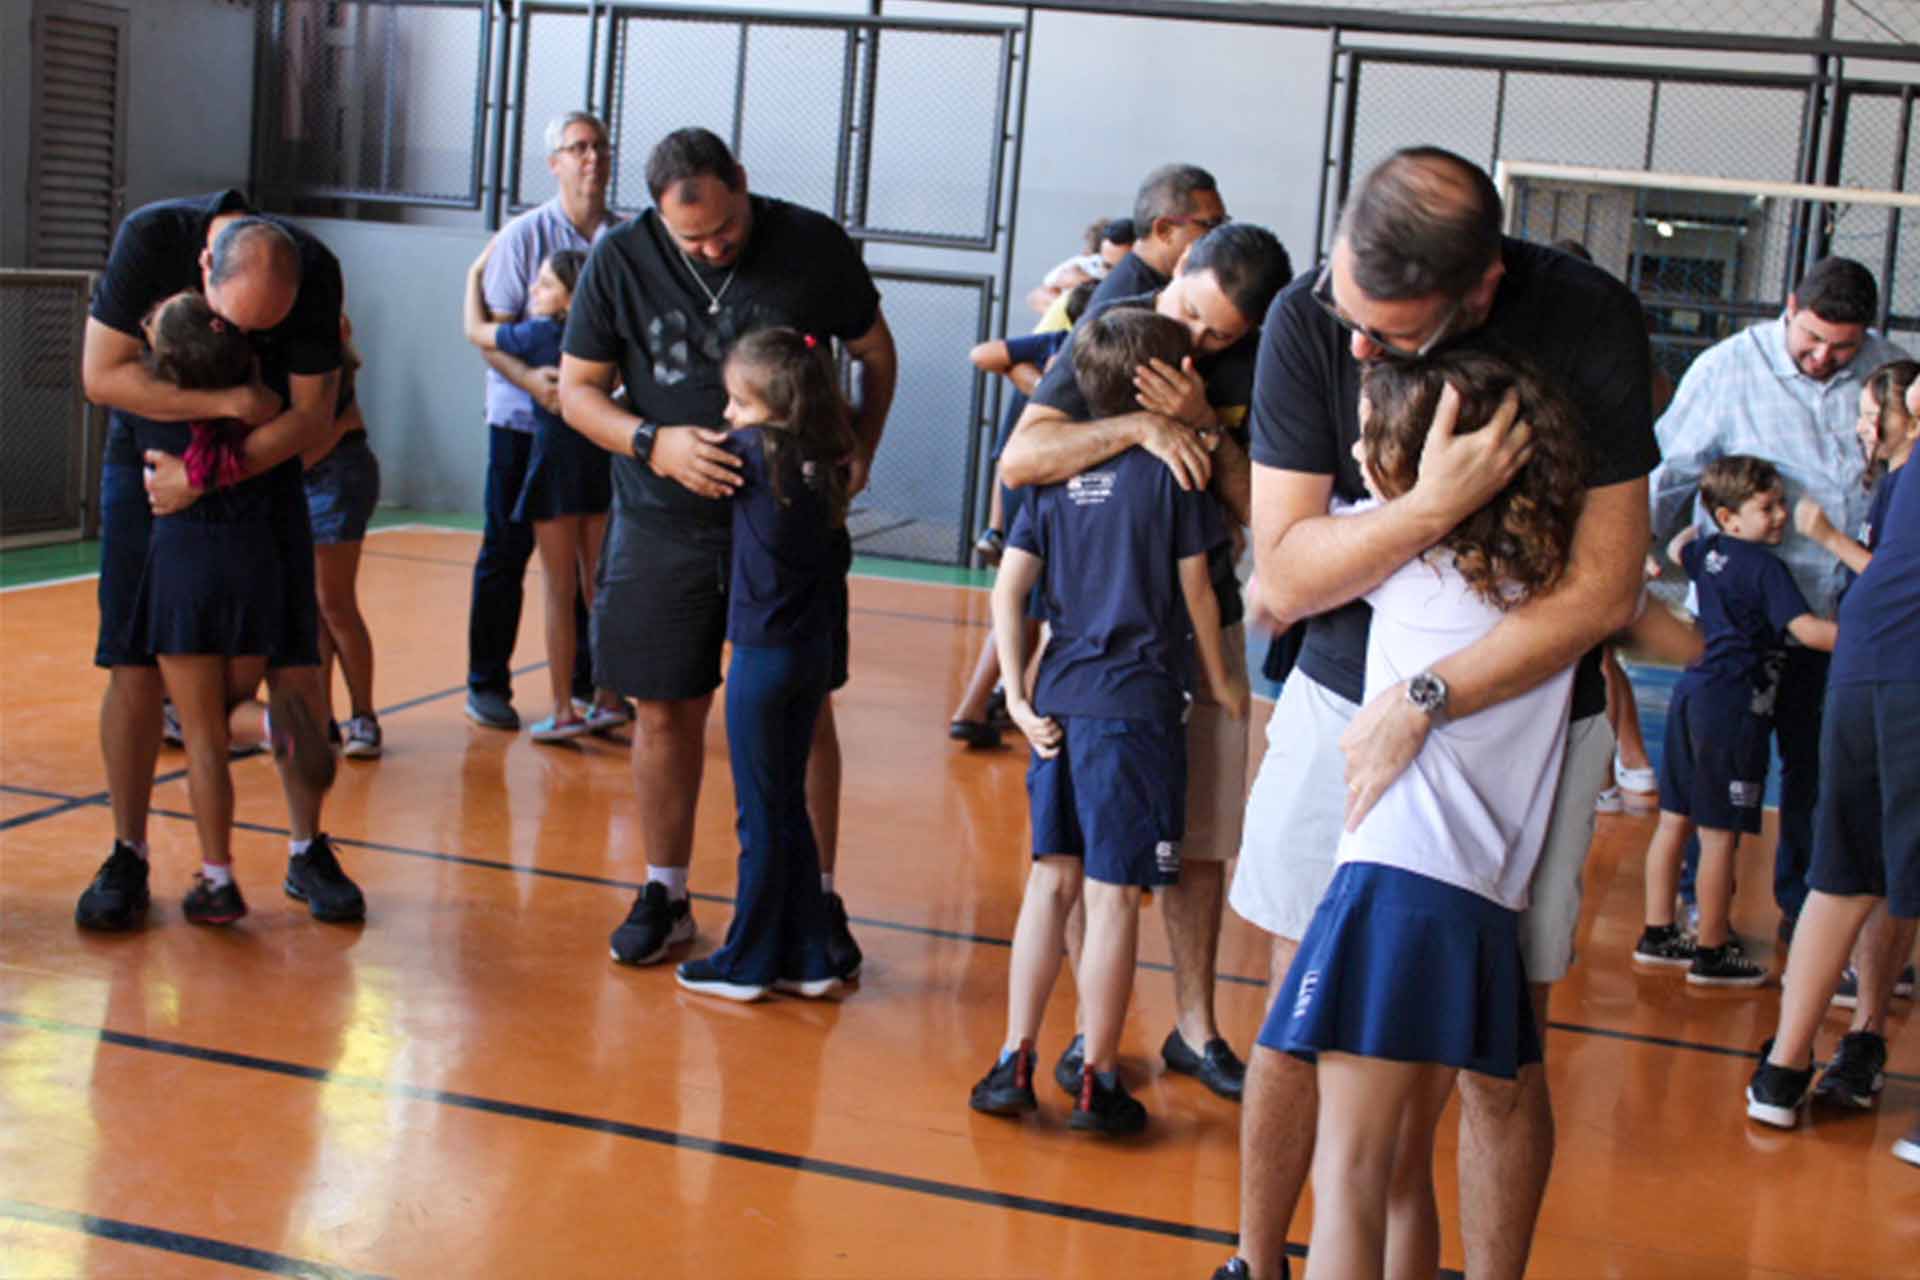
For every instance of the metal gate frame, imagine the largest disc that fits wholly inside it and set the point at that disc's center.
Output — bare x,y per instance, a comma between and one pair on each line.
82,422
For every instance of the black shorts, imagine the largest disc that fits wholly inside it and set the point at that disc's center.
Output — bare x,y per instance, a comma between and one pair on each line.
126,525
1866,828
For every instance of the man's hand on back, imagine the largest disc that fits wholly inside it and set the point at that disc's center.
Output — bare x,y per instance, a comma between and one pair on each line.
544,387
692,458
1179,447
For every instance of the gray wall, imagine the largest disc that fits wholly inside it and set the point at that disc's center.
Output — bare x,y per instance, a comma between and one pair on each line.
16,82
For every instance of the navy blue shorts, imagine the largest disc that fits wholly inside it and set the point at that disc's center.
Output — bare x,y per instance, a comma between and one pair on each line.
126,525
1115,797
1866,828
342,490
1714,767
1401,966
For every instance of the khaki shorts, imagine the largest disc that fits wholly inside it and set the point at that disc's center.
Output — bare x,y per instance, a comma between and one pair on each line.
1216,767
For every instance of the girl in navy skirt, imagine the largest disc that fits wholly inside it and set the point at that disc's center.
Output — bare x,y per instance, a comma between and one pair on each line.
793,435
1410,970
218,603
568,488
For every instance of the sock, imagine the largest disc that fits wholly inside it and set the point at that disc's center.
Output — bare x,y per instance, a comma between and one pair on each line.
299,847
826,882
675,878
138,846
217,874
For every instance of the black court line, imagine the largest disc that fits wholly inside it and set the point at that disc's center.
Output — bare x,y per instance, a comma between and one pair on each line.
233,1255
36,792
643,1133
34,815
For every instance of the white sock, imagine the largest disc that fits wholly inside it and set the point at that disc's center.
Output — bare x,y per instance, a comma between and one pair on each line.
675,878
299,847
826,882
217,874
138,846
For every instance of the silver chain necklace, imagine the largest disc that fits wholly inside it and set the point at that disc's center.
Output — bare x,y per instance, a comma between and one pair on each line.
713,297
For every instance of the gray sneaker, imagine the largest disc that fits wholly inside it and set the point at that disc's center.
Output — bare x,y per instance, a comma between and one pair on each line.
362,738
494,710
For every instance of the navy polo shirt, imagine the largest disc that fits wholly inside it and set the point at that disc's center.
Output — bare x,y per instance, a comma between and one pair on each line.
1880,617
1747,598
786,559
1112,539
1876,520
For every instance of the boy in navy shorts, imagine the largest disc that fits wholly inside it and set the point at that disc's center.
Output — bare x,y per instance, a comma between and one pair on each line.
1123,550
1866,846
1714,769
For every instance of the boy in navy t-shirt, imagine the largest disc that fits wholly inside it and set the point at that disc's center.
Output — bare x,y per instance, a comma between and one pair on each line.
1714,769
1124,556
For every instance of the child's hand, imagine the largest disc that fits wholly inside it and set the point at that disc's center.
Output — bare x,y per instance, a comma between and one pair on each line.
1811,519
1042,731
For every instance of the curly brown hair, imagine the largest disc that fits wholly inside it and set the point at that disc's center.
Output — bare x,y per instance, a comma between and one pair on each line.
1516,547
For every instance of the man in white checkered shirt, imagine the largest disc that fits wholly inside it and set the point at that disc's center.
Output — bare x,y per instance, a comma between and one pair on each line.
1788,391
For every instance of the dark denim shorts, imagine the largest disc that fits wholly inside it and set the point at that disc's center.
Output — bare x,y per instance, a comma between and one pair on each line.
342,490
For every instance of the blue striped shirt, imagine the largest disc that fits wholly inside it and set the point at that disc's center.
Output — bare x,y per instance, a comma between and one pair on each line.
1746,395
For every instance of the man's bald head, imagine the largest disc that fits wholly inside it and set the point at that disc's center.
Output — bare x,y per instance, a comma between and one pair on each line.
252,273
1424,221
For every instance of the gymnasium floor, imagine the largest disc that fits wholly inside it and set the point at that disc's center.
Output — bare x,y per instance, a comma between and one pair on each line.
466,1086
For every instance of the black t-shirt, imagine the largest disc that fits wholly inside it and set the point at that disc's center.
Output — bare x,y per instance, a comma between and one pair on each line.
1573,320
1128,278
1229,377
637,306
156,254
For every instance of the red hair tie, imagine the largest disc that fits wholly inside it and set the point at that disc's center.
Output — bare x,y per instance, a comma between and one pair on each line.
810,340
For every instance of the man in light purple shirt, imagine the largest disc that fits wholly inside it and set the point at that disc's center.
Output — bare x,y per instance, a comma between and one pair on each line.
578,156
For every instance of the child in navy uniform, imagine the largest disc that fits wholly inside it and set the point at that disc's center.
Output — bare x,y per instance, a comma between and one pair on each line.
1713,770
214,605
793,434
1866,848
1124,555
1410,970
568,488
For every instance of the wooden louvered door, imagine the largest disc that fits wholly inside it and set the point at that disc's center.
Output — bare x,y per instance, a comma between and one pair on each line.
76,185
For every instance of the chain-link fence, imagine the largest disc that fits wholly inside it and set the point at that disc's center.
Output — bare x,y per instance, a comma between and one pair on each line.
1862,21
376,100
918,501
43,409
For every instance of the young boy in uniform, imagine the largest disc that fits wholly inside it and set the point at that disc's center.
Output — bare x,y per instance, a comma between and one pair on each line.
1123,551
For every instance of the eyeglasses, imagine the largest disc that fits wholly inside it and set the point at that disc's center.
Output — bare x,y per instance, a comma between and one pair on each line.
580,150
1205,224
1322,293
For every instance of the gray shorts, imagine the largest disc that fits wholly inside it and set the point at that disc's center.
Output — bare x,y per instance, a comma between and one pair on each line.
1296,810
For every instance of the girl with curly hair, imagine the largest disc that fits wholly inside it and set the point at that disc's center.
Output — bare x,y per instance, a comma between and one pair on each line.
1411,970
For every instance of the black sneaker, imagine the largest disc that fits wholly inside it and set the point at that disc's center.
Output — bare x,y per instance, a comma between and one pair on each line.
1216,1066
1903,983
1236,1268
1105,1106
843,953
1663,947
315,878
1007,1090
494,710
1847,994
1856,1074
701,976
1724,966
117,899
1072,1067
1776,1094
655,923
206,904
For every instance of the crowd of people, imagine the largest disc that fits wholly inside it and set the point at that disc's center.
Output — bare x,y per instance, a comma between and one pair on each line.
1430,467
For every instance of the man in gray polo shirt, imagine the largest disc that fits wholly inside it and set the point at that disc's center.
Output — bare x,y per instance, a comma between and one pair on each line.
578,156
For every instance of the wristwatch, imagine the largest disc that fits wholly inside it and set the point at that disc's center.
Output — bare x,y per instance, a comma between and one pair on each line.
1428,692
642,445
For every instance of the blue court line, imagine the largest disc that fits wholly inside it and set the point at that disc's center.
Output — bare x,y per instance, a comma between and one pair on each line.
642,1133
192,1246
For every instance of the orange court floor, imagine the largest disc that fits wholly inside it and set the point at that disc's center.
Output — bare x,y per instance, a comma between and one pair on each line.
467,1086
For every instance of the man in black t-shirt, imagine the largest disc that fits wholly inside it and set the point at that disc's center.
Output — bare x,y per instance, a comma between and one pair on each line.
1419,261
1175,206
659,303
282,285
1194,418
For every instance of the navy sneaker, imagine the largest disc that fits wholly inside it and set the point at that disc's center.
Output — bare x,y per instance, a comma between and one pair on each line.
843,953
493,710
1007,1090
1856,1074
654,923
1775,1095
315,878
1069,1072
1105,1106
117,899
207,903
700,976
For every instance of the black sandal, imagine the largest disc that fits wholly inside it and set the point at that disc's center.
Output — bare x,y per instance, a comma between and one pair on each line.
977,734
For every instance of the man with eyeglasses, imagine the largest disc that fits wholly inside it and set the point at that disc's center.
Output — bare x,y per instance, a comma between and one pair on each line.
1175,206
1418,263
579,158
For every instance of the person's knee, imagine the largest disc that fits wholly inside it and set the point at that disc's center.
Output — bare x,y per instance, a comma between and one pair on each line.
1058,880
1494,1105
1107,902
135,685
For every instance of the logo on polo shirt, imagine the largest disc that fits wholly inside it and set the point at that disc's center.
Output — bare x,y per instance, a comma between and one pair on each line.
1090,488
1715,561
1309,983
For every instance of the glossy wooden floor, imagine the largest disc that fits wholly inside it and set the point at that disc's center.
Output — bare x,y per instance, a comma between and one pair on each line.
467,1087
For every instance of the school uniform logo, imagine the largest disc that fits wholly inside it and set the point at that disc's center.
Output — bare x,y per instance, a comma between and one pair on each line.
1166,857
1743,795
1715,561
1309,983
1091,488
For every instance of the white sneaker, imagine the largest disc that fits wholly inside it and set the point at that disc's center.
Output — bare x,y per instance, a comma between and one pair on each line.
1641,780
813,989
1609,801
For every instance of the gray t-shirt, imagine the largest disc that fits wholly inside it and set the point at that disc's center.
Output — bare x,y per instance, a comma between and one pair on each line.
524,245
